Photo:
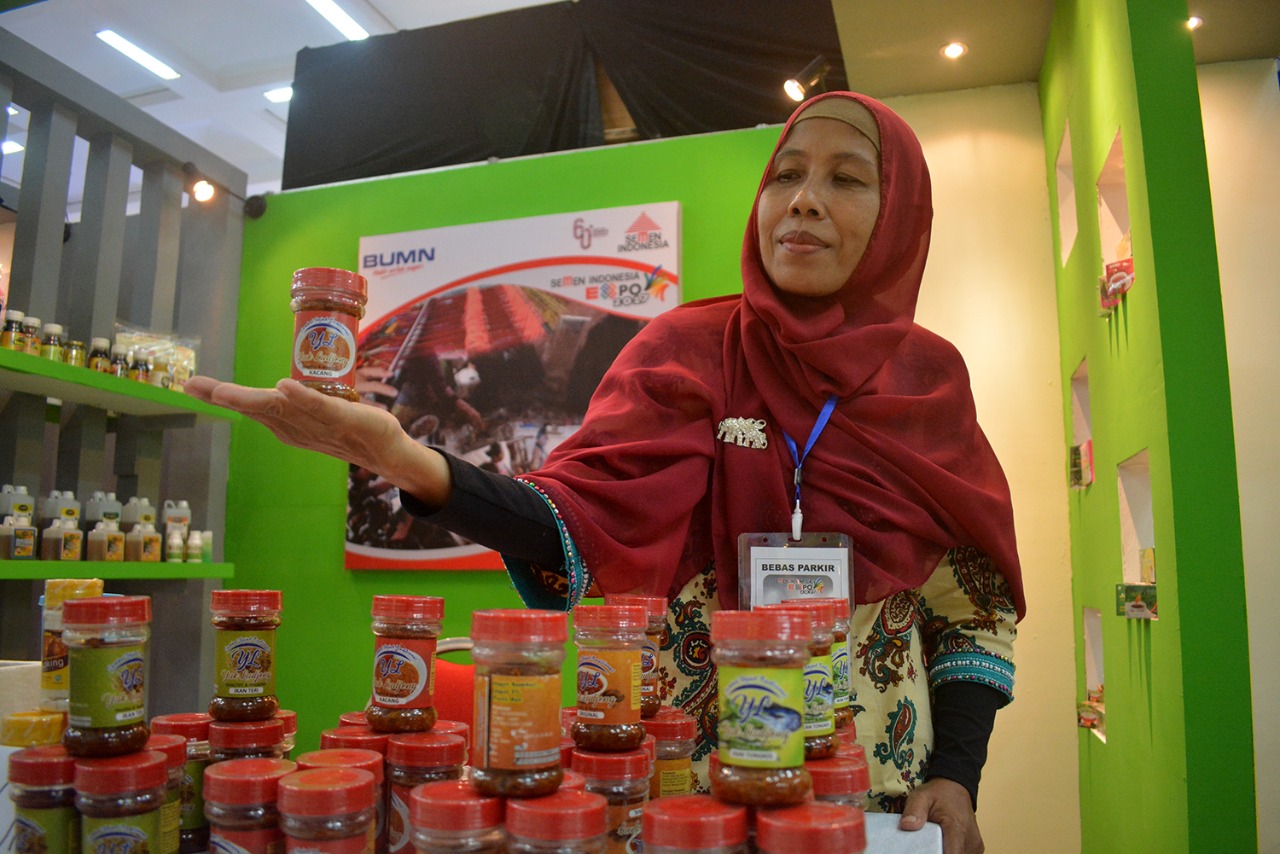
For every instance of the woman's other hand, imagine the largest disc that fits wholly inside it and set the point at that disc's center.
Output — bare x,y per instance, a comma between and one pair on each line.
947,804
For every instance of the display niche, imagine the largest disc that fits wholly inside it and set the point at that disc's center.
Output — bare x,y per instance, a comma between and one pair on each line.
1080,462
1091,714
1067,223
1113,231
1136,595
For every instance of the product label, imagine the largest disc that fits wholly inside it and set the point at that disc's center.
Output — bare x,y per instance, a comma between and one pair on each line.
71,543
223,840
54,662
840,673
404,672
131,834
244,663
45,831
152,547
649,666
115,546
624,817
761,716
517,721
170,819
324,346
24,544
399,829
360,844
609,686
671,777
192,811
819,697
109,689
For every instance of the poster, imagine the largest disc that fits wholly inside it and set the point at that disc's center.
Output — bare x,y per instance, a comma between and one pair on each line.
487,340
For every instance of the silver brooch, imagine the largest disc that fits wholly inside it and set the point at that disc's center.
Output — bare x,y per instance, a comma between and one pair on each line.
744,432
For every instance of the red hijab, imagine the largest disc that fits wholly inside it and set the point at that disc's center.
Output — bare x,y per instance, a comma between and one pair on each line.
650,495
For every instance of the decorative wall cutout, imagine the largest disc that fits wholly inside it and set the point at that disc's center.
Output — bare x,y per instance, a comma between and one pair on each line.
1092,713
1113,230
1068,225
1080,463
1136,597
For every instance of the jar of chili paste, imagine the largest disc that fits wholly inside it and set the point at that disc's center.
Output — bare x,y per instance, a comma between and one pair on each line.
609,640
327,306
107,649
245,653
656,608
404,657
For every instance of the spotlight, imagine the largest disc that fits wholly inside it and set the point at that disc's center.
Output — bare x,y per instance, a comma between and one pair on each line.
1195,22
954,50
202,191
811,81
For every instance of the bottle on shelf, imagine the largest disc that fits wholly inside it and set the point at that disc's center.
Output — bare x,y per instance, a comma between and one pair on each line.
119,366
16,501
31,334
62,540
144,544
102,507
99,358
17,538
12,336
51,342
105,542
193,551
176,514
174,547
136,510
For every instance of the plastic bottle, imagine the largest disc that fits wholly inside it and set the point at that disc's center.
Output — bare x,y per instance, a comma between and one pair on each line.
414,758
55,666
99,358
174,546
16,501
41,785
193,727
73,353
119,366
656,608
623,780
174,748
328,810
17,538
31,334
365,760
518,655
136,511
102,507
51,342
450,816
561,823
840,660
609,639
404,656
176,515
240,800
840,780
245,623
327,306
811,827
289,722
193,548
677,737
143,544
120,798
105,542
820,740
246,740
694,824
60,505
107,641
62,540
12,336
206,546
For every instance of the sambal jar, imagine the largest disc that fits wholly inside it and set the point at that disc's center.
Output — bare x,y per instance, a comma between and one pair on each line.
811,827
193,834
610,640
107,649
676,735
327,306
41,785
450,816
656,608
240,805
245,652
560,823
415,758
694,824
841,658
404,658
327,810
820,740
119,799
365,760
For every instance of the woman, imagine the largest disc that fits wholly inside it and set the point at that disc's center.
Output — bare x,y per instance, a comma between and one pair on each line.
651,493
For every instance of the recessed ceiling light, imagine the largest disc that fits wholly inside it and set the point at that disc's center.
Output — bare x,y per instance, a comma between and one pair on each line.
138,55
279,96
1195,22
11,147
954,50
340,19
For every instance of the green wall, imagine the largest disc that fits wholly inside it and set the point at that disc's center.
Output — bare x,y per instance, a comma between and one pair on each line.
1176,770
287,508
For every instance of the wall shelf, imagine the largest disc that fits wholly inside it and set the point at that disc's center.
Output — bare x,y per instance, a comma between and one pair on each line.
34,570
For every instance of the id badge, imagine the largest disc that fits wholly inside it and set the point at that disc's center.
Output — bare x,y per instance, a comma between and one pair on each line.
774,568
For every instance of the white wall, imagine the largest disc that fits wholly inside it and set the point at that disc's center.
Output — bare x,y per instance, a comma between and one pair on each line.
1241,106
989,289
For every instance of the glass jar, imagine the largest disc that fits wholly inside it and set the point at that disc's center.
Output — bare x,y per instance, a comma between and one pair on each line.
12,336
246,740
654,632
572,781
41,786
623,780
820,740
99,358
107,650
450,817
174,749
244,670
694,824
609,639
240,805
811,827
73,353
840,780
760,658
31,334
413,759
119,361
841,656
458,728
51,342
327,305
518,655
328,810
560,823
360,737
364,760
120,798
289,722
677,737
404,658
193,829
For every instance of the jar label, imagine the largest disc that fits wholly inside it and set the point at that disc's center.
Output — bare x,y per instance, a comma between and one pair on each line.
130,834
24,543
609,686
819,697
625,818
193,794
71,543
399,829
224,840
108,686
671,777
324,346
404,672
49,831
761,716
115,546
359,844
54,662
649,666
170,822
151,547
517,721
244,663
840,673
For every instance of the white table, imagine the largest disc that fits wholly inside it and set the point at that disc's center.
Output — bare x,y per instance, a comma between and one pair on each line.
883,836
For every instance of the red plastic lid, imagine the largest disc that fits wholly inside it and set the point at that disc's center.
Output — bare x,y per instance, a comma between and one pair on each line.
850,749
353,719
239,782
611,617
243,734
409,607
106,610
174,748
246,601
760,625
630,765
426,749
650,747
354,736
838,775
49,765
821,611
843,609
444,727
134,772
325,792
811,826
573,782
694,821
330,278
289,719
655,606
671,724
344,757
453,805
562,816
193,726
520,625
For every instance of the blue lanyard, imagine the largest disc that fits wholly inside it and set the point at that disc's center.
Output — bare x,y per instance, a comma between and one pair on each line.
797,518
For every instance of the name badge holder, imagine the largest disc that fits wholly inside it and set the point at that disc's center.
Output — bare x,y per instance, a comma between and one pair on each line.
775,568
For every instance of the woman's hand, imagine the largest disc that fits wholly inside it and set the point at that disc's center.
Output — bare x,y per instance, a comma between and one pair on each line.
946,803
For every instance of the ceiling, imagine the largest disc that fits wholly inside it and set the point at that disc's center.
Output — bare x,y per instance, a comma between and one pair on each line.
230,52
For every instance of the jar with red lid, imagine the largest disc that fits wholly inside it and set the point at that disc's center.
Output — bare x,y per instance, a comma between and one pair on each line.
654,632
119,800
760,658
404,659
361,737
353,719
840,780
193,829
240,805
676,735
107,649
610,640
561,823
518,655
841,656
42,788
328,810
289,720
457,728
573,781
246,740
414,758
174,748
244,684
366,760
327,305
820,740
811,827
450,816
623,780
694,824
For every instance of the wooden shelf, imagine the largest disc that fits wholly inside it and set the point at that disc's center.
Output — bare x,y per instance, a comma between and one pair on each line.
30,374
11,570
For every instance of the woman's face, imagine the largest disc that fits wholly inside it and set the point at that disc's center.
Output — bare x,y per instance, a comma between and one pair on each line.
818,207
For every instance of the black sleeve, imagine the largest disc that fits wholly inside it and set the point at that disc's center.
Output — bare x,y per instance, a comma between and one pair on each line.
495,511
964,714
